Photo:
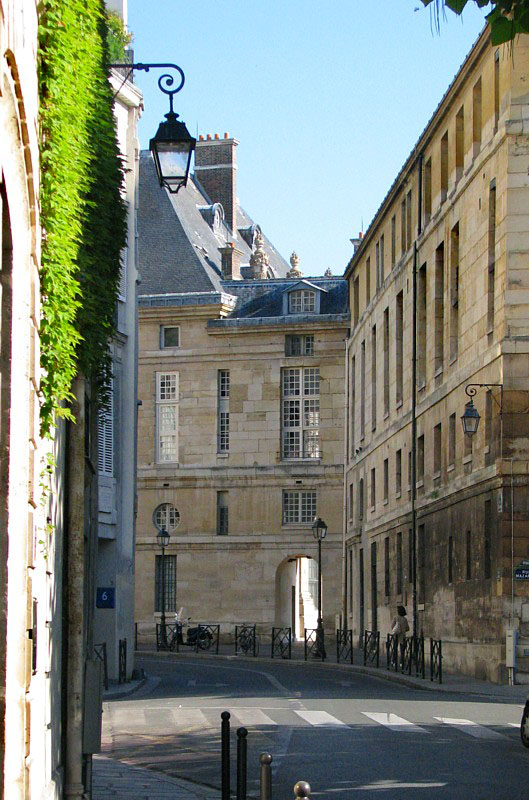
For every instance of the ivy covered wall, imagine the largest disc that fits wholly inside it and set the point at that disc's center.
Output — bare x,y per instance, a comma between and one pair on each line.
82,210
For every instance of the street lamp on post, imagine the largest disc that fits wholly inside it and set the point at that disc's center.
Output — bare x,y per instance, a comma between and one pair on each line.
319,531
172,146
163,538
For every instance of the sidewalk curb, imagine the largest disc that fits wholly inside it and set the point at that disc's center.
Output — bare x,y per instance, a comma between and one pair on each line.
372,672
108,694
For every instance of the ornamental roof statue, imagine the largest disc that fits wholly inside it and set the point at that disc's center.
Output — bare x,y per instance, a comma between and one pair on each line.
259,259
294,271
328,273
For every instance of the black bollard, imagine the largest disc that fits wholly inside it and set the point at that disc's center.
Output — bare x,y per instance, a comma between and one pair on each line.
302,789
265,793
242,744
225,755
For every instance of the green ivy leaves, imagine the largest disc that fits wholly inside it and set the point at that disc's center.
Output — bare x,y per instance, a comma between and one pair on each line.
506,20
82,211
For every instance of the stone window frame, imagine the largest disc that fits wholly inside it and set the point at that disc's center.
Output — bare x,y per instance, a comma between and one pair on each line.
163,329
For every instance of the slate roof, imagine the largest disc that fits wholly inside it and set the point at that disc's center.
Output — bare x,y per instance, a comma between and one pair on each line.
178,249
263,299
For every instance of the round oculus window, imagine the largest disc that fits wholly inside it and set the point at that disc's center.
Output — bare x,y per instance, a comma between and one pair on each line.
167,517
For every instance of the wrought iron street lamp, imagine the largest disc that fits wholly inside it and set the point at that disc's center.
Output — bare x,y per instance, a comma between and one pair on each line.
471,416
319,531
172,147
163,538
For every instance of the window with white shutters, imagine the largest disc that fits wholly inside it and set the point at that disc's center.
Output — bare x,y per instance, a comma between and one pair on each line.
166,417
105,436
122,287
300,413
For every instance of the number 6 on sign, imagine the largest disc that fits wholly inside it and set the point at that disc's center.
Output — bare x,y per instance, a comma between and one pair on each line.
106,597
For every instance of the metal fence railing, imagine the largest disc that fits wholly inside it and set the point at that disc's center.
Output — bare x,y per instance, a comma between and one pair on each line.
372,648
436,660
344,645
100,651
122,661
246,640
314,643
281,643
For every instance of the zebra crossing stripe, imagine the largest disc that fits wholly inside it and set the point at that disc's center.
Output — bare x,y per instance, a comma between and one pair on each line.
251,717
190,718
472,728
320,718
394,722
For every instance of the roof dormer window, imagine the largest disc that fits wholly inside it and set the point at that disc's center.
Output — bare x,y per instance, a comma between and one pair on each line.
302,301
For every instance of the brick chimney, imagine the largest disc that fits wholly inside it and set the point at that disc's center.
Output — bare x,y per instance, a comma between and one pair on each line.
216,169
231,262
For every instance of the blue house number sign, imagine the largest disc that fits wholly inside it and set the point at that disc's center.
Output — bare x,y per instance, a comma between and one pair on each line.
106,597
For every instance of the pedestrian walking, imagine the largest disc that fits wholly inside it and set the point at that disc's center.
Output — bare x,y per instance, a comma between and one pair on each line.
399,628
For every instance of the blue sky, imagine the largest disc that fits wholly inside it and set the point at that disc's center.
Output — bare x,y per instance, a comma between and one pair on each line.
326,98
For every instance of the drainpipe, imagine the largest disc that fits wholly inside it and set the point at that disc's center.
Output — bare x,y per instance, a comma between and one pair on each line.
414,398
75,594
344,518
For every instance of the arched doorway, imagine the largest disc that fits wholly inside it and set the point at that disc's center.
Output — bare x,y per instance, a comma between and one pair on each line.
296,602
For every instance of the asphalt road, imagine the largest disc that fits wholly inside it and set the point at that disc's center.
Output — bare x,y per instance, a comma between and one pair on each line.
347,734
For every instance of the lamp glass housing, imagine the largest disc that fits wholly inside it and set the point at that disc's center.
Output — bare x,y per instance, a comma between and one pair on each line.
171,149
319,529
163,537
470,419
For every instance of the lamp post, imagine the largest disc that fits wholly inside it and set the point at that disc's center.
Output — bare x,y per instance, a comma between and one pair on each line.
319,531
172,146
163,540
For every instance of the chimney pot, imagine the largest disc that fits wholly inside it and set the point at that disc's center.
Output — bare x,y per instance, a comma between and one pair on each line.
209,137
217,136
200,138
226,136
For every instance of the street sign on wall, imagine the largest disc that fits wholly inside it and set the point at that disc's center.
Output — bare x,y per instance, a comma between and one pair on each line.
106,597
521,572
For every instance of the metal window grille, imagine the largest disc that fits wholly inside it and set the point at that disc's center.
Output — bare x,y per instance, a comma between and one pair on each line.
222,513
105,436
169,570
298,507
223,426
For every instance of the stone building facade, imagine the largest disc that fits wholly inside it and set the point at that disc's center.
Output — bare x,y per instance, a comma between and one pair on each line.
114,614
457,216
240,430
